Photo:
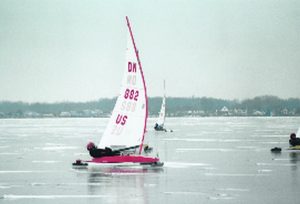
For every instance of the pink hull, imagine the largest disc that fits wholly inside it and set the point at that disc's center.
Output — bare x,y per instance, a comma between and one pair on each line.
125,158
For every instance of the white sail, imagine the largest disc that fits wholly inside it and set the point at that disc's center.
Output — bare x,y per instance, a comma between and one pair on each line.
162,113
298,132
127,124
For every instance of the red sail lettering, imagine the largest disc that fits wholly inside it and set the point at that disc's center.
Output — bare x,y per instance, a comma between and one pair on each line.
126,93
131,67
134,67
121,119
131,94
124,120
136,95
118,120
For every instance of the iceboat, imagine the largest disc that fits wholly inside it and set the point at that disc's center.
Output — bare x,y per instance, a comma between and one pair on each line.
125,132
160,122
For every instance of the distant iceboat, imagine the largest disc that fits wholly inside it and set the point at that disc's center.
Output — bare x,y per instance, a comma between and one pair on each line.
160,123
122,143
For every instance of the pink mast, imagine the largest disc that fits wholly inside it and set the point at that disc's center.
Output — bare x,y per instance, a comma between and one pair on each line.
140,66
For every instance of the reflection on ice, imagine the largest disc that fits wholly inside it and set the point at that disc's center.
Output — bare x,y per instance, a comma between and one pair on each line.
26,171
57,148
5,186
47,162
218,196
234,175
184,165
264,170
9,153
222,196
15,197
114,183
186,193
274,164
202,140
123,170
66,184
247,147
295,156
80,153
205,149
38,184
234,189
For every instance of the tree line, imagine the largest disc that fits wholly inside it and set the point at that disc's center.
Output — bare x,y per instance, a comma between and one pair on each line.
176,106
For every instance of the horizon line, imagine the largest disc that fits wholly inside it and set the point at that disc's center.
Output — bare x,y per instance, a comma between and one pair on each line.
110,98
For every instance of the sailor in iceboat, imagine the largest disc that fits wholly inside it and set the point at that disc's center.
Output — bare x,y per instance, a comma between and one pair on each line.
96,152
158,127
294,141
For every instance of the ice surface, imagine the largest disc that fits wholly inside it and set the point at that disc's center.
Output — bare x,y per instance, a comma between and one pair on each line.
207,160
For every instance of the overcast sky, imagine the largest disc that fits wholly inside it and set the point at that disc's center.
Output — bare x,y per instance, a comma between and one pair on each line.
75,50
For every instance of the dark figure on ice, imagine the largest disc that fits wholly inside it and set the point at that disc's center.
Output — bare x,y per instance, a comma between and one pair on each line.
159,128
96,153
294,140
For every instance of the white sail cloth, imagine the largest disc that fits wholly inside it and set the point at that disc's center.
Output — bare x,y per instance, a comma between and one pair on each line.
127,123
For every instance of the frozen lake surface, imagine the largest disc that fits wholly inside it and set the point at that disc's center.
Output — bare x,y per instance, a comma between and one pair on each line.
207,160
